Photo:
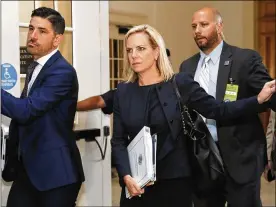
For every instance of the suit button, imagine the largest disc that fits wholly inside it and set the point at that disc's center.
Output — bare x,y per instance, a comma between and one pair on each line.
171,121
165,104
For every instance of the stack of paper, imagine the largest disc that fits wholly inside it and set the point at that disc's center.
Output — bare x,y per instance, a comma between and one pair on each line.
142,158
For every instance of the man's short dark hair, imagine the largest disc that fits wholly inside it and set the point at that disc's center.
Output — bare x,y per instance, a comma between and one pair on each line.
53,16
168,52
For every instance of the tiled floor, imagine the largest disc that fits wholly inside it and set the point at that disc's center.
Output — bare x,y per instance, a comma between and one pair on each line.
268,193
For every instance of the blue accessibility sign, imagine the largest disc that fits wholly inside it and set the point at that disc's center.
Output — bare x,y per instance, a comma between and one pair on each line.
8,76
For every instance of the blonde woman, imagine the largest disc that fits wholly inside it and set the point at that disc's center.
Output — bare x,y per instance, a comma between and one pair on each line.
148,98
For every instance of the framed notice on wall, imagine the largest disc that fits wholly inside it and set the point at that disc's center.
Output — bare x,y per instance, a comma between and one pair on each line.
25,59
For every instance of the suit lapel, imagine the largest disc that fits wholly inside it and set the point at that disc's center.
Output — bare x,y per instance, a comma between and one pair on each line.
223,72
193,64
41,73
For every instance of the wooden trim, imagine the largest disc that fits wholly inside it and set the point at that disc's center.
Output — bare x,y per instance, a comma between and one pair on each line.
267,33
125,19
268,51
267,19
266,43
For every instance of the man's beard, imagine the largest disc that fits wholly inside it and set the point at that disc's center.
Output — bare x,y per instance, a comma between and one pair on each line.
210,41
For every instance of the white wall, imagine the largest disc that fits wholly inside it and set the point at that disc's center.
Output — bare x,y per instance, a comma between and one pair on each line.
10,38
173,20
91,51
143,8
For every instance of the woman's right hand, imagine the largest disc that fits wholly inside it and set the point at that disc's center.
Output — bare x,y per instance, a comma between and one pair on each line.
132,186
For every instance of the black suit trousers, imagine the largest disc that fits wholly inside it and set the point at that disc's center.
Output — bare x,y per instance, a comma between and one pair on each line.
164,193
23,193
236,195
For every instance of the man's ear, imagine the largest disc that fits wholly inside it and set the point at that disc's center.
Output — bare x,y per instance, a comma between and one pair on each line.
219,28
58,39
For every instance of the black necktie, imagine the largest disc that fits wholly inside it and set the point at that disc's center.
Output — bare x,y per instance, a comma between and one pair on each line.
29,74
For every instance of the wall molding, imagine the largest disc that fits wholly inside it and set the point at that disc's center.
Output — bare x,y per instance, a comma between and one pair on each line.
126,19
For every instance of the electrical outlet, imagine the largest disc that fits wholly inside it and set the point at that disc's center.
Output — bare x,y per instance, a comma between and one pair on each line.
106,131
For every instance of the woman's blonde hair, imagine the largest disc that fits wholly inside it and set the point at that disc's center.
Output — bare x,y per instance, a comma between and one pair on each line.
156,40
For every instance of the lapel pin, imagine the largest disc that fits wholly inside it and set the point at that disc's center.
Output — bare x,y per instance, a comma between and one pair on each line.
226,62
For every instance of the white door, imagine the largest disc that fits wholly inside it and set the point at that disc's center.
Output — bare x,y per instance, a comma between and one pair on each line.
85,46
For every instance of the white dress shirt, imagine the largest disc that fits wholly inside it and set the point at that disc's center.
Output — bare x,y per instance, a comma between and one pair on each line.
41,62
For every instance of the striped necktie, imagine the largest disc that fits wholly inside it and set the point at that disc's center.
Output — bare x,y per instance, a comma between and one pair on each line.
204,76
29,74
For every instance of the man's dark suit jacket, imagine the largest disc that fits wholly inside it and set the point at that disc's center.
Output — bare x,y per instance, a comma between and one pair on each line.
242,141
43,124
129,112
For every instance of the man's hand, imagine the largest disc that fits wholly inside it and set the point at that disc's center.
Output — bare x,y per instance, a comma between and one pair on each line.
267,91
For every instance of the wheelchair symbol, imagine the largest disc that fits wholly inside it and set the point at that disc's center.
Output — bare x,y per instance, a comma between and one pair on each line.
7,74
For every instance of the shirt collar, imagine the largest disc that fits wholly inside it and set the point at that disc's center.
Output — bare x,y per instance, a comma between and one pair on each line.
41,61
215,54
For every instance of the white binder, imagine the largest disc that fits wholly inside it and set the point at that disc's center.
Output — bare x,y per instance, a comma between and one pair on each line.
142,158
